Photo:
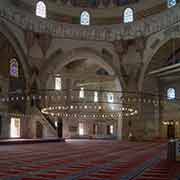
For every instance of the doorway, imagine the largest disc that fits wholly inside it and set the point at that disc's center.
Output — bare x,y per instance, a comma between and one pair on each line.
39,130
0,125
15,127
108,130
95,129
60,128
171,130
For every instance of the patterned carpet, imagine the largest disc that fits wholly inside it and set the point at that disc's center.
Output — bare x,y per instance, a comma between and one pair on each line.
86,160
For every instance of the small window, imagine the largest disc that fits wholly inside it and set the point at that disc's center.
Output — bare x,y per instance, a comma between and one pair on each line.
14,71
110,97
95,96
171,93
15,127
85,18
171,3
81,92
58,85
128,15
41,9
81,129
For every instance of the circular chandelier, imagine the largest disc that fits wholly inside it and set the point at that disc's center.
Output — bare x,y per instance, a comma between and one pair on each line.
88,111
67,103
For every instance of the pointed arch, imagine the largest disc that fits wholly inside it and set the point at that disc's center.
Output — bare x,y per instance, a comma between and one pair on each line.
150,53
54,63
18,47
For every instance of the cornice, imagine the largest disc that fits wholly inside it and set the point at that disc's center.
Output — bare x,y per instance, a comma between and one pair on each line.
145,27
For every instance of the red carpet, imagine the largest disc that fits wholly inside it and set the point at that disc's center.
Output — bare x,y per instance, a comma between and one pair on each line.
164,170
84,160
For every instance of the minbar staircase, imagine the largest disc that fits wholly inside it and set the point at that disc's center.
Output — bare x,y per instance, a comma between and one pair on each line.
45,120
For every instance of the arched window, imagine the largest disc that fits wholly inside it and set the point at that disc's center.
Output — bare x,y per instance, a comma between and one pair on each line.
41,9
58,83
171,93
14,70
81,92
85,18
95,96
171,3
128,15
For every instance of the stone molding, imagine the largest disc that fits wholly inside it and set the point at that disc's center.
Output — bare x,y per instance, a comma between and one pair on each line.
110,33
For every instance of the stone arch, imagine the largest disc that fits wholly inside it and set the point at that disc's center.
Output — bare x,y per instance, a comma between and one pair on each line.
148,58
59,59
17,47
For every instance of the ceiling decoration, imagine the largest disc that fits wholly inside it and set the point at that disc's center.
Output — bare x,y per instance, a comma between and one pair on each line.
144,25
57,11
97,3
75,64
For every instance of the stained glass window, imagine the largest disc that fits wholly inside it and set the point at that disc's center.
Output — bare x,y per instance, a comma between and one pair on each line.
171,3
14,71
85,18
171,93
128,15
41,9
110,97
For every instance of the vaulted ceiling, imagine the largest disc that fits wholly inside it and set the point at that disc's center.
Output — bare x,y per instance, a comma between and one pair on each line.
164,55
86,73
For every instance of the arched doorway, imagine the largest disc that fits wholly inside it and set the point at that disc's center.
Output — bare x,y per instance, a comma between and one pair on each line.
171,130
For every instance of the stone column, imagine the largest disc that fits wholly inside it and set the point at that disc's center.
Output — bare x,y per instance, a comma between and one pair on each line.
66,121
5,126
119,128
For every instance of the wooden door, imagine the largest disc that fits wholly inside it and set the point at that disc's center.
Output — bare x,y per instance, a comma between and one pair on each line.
60,129
108,130
39,130
171,131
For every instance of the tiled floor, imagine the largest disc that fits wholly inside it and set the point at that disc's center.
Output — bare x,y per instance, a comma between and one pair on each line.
86,160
